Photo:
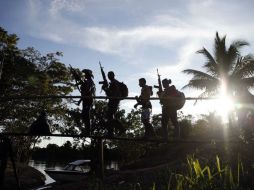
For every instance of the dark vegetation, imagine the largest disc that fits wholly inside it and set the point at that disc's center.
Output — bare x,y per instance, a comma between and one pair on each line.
223,160
67,153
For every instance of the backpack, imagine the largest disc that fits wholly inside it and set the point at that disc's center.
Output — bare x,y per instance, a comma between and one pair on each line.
176,99
124,90
181,101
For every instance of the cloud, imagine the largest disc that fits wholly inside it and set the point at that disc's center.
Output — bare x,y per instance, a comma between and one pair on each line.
119,41
185,56
128,35
112,40
66,5
165,28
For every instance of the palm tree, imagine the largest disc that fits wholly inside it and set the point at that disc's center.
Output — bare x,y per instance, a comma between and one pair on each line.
226,68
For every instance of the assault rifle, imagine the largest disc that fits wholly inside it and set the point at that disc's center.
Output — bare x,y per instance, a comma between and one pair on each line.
76,76
159,83
104,82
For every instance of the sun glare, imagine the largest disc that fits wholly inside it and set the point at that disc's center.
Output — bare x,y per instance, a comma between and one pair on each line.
225,104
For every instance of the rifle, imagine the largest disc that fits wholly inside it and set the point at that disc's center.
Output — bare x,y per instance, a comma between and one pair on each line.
104,82
76,77
159,83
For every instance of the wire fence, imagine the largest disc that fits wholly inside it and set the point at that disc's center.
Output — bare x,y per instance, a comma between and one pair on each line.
9,98
151,140
36,97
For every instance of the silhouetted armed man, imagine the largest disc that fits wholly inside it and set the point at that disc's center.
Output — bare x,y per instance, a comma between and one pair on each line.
87,92
113,90
169,110
144,101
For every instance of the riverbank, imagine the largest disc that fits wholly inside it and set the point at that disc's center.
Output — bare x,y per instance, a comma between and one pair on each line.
162,161
176,164
28,176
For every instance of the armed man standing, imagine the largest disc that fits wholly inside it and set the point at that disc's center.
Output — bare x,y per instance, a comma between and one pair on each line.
169,108
87,92
113,91
86,87
144,101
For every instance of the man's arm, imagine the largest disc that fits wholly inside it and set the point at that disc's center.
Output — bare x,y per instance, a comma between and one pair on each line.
144,96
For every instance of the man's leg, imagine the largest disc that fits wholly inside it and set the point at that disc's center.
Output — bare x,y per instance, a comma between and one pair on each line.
164,122
86,119
112,109
145,118
173,118
109,119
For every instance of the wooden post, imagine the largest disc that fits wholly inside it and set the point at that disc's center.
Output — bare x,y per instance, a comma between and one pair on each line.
101,163
101,158
5,150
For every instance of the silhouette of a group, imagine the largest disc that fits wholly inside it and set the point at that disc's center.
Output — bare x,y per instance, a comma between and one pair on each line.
116,91
170,99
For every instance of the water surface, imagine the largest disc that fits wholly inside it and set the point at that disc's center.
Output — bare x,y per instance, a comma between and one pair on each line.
42,165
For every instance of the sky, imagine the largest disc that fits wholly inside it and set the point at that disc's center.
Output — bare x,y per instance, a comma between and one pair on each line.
132,38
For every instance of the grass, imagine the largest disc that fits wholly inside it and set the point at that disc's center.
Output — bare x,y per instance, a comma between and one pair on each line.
195,176
216,176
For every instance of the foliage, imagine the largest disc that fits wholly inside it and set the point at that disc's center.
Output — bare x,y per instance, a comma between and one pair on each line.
44,76
213,176
132,150
226,67
8,47
28,73
217,176
208,126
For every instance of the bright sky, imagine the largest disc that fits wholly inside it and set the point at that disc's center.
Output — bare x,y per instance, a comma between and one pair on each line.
131,37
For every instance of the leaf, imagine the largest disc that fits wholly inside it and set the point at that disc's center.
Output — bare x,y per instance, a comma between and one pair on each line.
218,165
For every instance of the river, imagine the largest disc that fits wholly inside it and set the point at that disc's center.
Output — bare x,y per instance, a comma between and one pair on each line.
42,165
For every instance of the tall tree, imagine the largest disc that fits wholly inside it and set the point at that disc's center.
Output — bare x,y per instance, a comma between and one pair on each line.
226,68
27,73
8,47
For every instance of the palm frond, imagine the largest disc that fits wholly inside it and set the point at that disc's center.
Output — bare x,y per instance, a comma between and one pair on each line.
202,84
202,95
198,74
248,82
210,65
231,57
233,53
209,86
244,67
238,66
239,44
207,94
221,56
220,48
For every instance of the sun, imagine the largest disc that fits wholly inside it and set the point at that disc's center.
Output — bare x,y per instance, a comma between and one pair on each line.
224,104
